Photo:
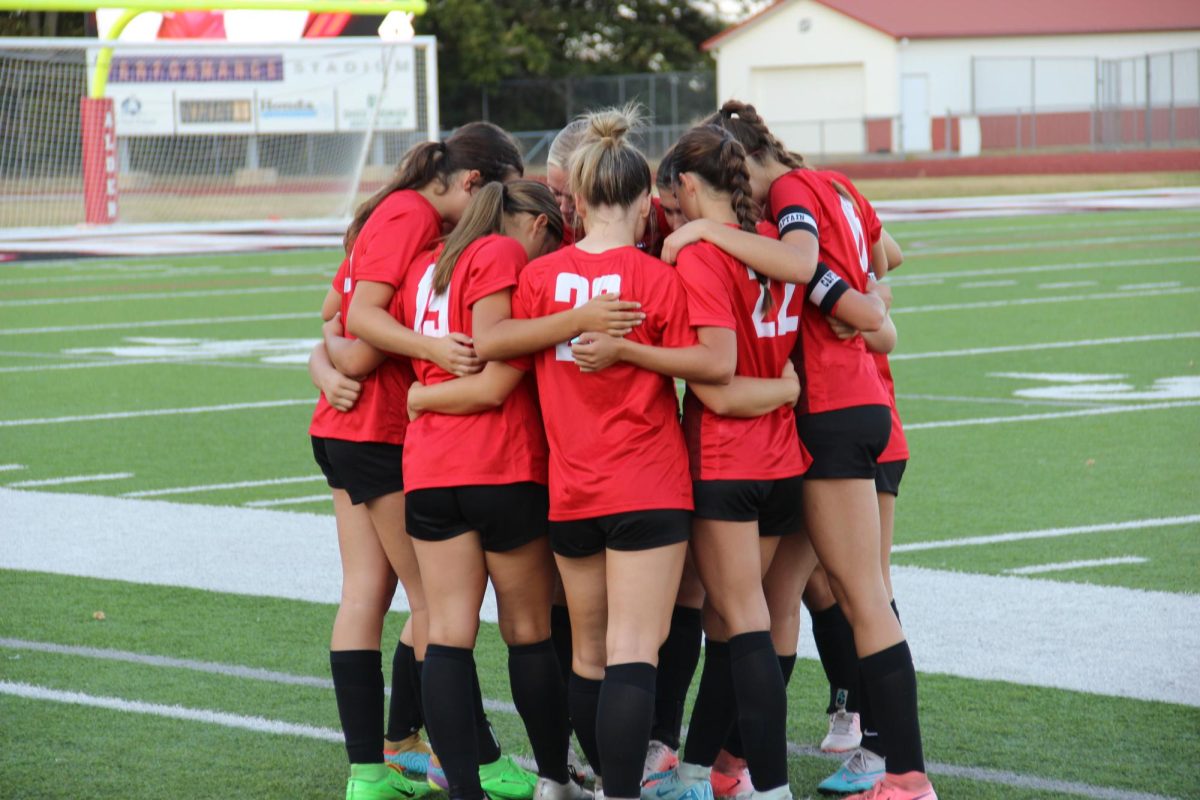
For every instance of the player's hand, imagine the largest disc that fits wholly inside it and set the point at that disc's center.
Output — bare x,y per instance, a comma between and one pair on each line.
333,326
340,391
595,351
841,329
414,393
688,233
607,312
455,353
883,292
789,374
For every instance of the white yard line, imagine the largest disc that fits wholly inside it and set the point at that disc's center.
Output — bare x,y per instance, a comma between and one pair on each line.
116,362
1038,569
259,724
11,467
1136,286
1094,222
212,487
118,297
288,501
986,284
1047,533
163,272
1019,348
1086,412
938,277
1066,284
159,323
109,476
1028,301
153,412
294,555
1049,244
1015,401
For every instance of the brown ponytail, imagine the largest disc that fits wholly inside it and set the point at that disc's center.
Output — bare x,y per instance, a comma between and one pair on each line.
480,146
742,120
716,156
485,215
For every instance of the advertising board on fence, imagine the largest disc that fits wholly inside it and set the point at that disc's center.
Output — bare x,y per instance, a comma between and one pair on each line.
246,89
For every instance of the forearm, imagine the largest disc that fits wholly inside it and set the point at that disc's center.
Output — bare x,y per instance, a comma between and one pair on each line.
469,395
320,368
746,397
384,332
882,340
783,261
697,363
512,338
866,312
352,357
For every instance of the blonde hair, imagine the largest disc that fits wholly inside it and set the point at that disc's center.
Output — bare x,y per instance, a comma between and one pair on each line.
566,143
606,170
485,215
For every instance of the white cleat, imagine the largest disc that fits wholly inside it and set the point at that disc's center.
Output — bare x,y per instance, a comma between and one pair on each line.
547,789
845,732
660,759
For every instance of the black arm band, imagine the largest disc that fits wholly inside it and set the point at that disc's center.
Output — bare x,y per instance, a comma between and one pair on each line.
796,218
825,289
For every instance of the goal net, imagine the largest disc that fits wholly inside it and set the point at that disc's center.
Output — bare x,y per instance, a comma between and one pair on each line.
205,134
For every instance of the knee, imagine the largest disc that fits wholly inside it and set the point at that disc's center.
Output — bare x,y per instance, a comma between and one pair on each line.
525,628
454,631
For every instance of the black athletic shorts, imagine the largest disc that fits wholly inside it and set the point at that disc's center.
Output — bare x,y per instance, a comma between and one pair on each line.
845,443
776,505
506,515
366,470
631,530
888,476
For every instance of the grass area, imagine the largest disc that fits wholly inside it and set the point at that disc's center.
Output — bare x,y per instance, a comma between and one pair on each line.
168,335
973,185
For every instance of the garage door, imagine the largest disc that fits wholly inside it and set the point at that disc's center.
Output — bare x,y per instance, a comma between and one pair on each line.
813,109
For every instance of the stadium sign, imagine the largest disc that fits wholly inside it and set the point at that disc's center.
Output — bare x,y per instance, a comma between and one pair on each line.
231,89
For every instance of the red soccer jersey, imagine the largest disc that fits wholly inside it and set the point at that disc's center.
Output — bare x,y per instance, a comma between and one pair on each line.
723,292
501,445
657,230
834,373
380,415
615,440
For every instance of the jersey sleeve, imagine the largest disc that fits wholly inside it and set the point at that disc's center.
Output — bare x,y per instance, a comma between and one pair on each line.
523,307
677,330
871,221
706,285
794,205
390,245
494,267
339,277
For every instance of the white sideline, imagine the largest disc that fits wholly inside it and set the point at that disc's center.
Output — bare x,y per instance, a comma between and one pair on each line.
1085,412
288,501
110,476
152,412
1018,348
1021,630
157,323
1047,533
210,487
1038,569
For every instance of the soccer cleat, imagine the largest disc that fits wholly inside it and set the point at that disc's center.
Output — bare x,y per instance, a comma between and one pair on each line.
382,782
659,758
730,778
553,790
412,755
897,787
861,771
575,767
505,779
845,732
684,782
435,776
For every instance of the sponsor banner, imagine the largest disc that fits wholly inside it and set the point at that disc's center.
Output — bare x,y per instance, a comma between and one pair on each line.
229,89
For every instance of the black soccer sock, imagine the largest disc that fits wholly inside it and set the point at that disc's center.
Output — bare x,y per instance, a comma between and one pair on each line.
485,737
451,719
677,660
560,634
871,740
404,707
761,707
891,682
896,611
714,714
787,665
358,688
835,645
583,701
623,726
541,700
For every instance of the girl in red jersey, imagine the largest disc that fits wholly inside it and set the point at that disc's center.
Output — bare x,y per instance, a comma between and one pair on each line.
844,420
475,480
746,464
360,451
620,496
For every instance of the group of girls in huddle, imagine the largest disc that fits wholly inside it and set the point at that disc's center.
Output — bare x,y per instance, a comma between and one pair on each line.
498,373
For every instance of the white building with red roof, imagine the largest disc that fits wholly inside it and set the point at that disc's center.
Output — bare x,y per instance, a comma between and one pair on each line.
856,76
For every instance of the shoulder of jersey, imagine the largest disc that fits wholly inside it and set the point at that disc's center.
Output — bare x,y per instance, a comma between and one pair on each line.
501,244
